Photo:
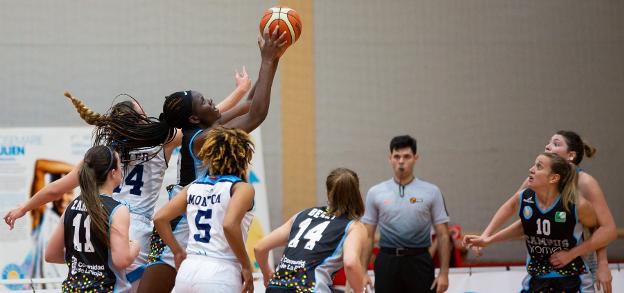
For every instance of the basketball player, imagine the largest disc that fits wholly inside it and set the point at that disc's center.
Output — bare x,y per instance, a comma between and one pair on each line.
196,115
570,146
143,172
219,208
92,238
552,218
319,241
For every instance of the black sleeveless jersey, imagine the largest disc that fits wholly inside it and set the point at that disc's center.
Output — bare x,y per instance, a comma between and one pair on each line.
547,232
87,257
190,168
314,252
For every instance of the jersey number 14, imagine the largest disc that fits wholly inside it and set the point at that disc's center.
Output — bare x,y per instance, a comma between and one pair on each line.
314,234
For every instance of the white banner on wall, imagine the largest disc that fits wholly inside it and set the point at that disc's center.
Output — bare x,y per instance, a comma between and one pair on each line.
33,157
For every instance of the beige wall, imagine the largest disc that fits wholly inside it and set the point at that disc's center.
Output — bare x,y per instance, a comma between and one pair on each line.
481,84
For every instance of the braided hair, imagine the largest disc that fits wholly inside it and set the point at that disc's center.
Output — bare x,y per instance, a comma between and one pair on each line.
123,127
227,151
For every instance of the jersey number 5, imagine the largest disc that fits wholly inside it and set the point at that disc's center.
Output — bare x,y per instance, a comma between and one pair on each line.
314,235
201,222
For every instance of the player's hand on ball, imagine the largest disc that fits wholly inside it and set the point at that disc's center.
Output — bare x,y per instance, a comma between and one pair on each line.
272,45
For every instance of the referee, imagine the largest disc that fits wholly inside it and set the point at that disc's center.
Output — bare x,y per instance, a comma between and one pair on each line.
405,208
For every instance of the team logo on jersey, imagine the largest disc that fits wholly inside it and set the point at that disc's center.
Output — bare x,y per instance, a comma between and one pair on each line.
527,212
528,200
560,217
415,200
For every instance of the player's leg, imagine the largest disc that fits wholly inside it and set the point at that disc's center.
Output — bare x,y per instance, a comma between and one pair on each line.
158,277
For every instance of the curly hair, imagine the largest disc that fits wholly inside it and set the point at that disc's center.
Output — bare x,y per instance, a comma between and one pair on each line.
227,151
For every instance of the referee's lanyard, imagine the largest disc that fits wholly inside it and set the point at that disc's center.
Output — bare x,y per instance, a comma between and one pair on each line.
402,187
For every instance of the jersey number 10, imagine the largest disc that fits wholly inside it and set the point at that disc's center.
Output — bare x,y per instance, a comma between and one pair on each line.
314,234
543,227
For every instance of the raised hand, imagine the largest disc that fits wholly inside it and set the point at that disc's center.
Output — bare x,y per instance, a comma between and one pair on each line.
272,45
242,80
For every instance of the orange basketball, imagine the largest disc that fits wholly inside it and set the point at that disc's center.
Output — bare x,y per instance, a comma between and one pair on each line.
286,18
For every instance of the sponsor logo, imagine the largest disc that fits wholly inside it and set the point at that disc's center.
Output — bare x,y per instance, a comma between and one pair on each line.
528,200
415,200
560,217
527,212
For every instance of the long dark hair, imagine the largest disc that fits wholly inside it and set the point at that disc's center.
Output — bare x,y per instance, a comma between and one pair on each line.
124,127
343,194
98,162
577,145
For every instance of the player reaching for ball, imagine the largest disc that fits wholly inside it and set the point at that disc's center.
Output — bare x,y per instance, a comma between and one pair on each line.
196,115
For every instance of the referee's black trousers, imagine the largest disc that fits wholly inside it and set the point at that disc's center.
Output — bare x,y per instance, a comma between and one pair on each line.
409,273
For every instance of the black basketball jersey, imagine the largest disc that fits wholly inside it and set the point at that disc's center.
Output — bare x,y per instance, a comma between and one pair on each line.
87,257
314,252
190,167
547,232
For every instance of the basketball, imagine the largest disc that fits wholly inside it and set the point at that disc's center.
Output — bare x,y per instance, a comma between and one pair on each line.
286,19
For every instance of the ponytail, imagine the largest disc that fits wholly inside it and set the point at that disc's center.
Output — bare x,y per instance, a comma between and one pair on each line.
88,115
590,151
123,127
98,162
577,145
343,194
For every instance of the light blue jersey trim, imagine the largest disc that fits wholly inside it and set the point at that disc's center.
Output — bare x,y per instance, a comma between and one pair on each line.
195,160
346,230
110,256
550,208
520,198
136,274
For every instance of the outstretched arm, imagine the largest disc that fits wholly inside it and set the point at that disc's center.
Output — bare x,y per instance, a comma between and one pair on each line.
229,107
513,231
48,193
504,213
271,47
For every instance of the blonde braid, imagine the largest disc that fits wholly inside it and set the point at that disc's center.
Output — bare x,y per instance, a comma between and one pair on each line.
88,115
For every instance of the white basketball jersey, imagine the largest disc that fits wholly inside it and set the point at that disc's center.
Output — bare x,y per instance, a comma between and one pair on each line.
207,200
142,181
